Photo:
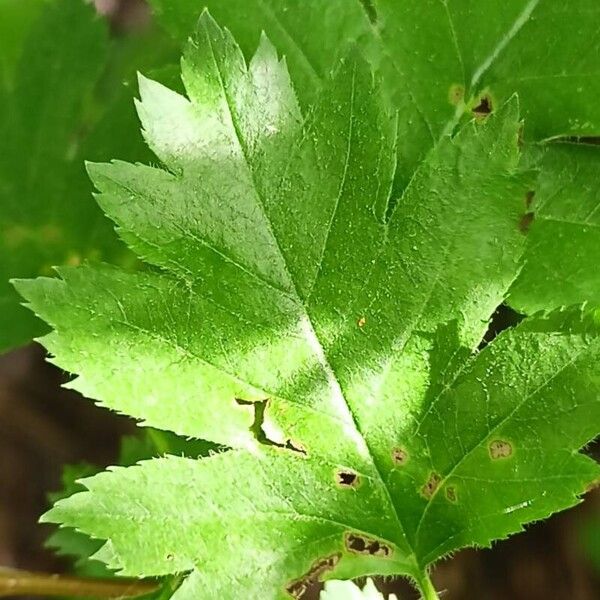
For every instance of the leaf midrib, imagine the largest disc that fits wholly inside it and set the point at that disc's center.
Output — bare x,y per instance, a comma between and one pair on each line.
516,26
314,341
201,359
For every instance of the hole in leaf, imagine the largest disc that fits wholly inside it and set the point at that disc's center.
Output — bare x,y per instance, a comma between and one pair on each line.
500,449
484,108
299,587
295,446
581,139
400,456
259,433
356,543
431,485
347,478
503,318
364,545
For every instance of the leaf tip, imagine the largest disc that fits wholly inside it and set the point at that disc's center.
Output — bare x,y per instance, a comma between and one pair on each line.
207,21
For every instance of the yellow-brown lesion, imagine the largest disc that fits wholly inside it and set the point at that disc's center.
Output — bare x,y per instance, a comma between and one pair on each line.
298,587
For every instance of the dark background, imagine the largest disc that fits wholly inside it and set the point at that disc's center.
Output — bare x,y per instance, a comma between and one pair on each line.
43,426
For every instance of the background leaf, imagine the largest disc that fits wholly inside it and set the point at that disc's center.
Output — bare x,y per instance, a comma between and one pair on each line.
65,101
312,34
563,232
42,120
17,16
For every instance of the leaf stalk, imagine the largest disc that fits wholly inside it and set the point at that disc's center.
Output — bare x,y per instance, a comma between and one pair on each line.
426,588
15,582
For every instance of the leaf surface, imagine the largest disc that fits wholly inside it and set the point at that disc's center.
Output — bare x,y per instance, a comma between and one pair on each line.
323,329
438,56
312,34
441,60
563,223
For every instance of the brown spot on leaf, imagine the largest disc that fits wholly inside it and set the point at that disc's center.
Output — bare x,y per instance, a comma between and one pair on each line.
484,108
346,478
451,493
361,544
525,222
529,197
500,449
362,322
431,485
298,587
400,456
456,94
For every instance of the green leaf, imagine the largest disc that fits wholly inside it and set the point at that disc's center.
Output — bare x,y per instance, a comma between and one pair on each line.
438,57
79,547
325,330
439,60
66,100
15,22
564,232
312,34
42,118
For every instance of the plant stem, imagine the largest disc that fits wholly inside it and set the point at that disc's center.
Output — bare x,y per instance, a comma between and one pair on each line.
426,588
14,582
